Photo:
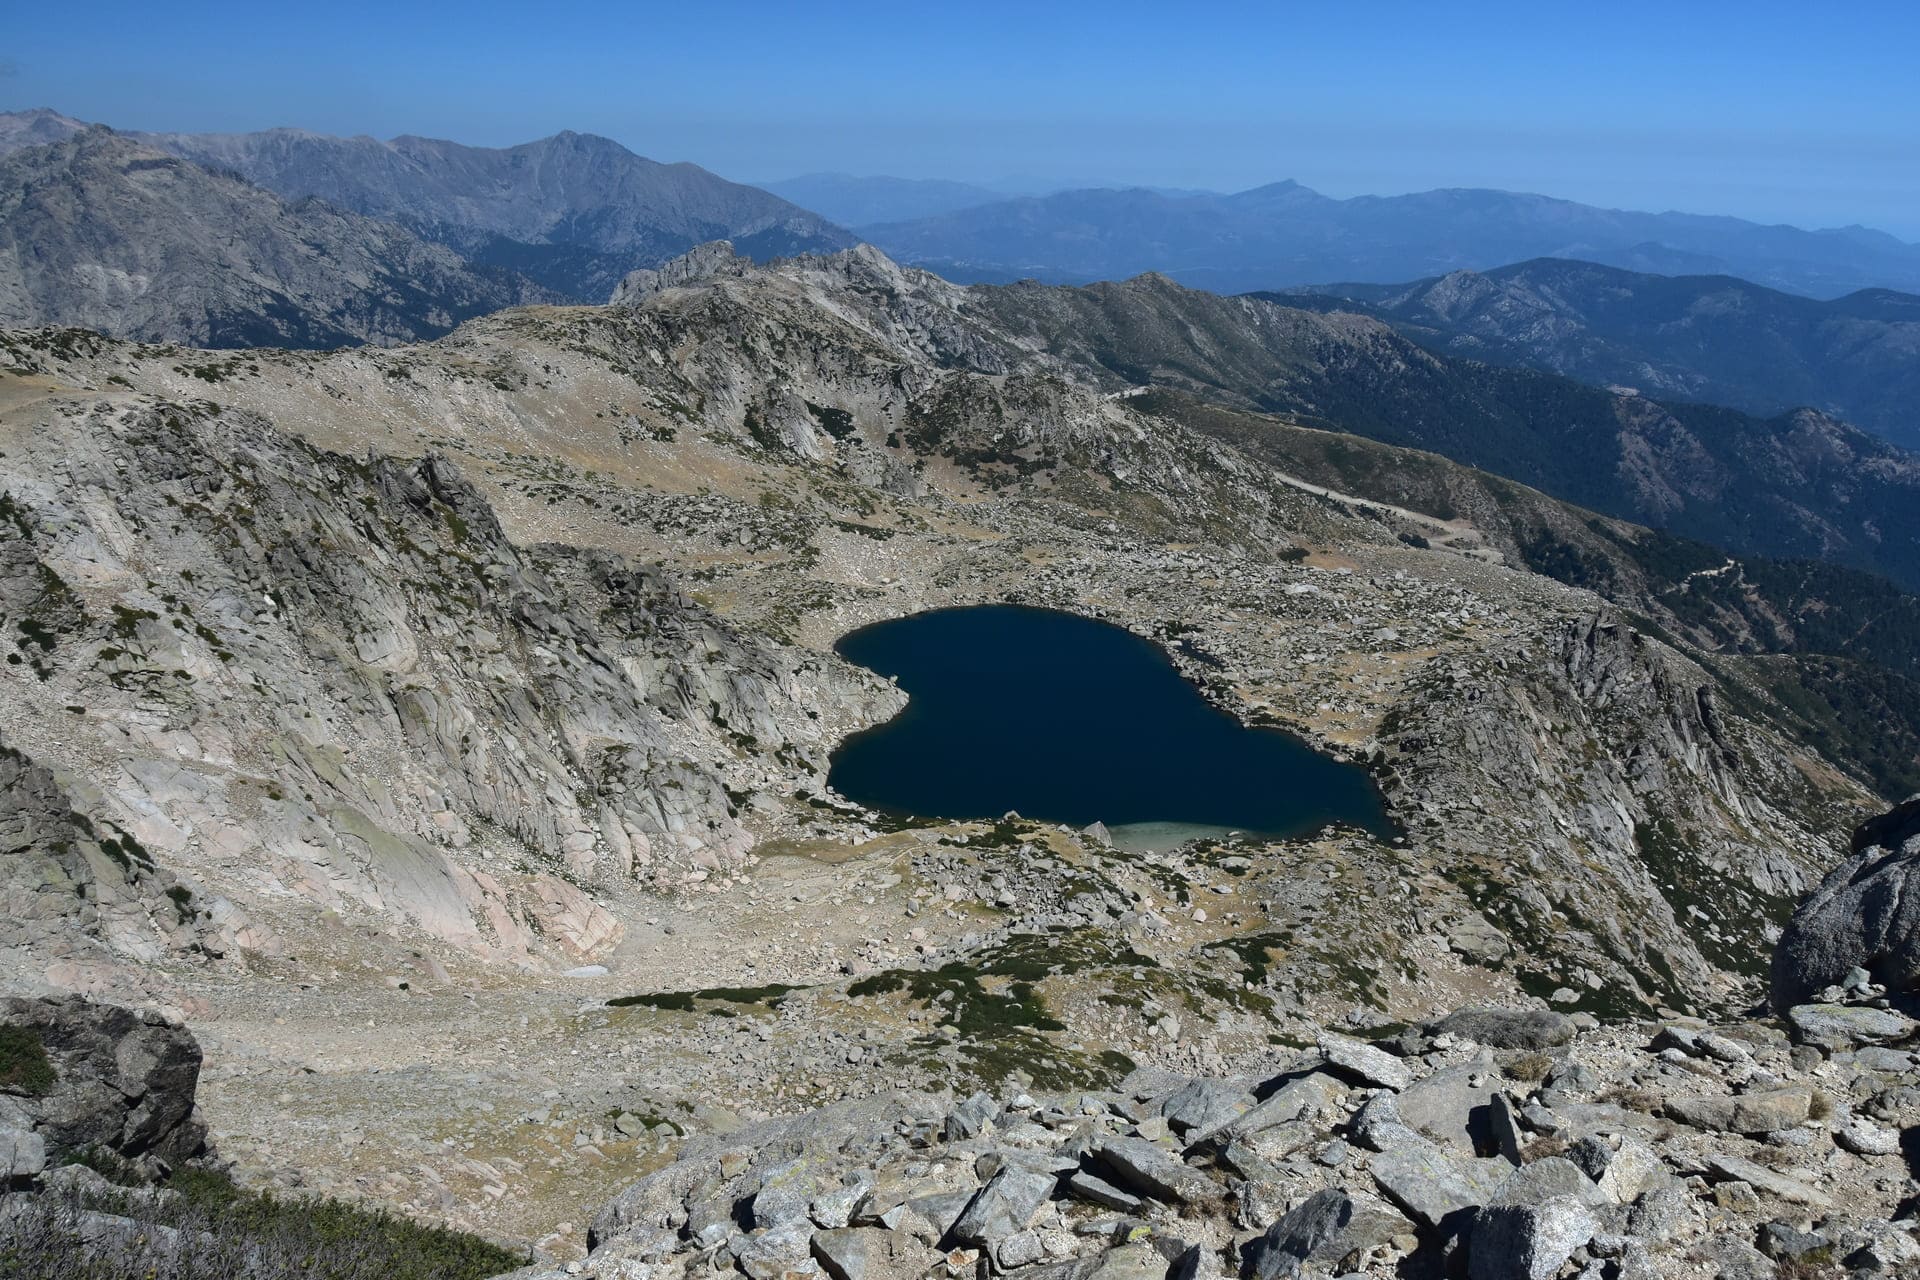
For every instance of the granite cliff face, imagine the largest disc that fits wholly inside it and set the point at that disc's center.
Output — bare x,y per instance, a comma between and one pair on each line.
336,673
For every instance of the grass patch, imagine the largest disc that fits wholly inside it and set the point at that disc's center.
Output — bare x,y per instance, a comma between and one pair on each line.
24,1066
227,1231
772,995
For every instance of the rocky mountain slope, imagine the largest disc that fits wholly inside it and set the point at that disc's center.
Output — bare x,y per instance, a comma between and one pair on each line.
574,212
104,232
478,695
1708,338
1798,485
1827,650
1285,234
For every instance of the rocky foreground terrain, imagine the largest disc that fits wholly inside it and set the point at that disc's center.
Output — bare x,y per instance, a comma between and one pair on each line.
443,732
1491,1143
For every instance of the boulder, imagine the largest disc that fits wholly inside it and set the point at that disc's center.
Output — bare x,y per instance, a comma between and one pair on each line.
1363,1062
1004,1206
1154,1171
1303,1097
1323,1228
1130,1262
1432,1186
23,1154
1764,1112
1624,1169
1865,914
771,1254
1103,1193
971,1118
1205,1105
1553,1178
122,1081
1761,1178
1528,1241
1453,1107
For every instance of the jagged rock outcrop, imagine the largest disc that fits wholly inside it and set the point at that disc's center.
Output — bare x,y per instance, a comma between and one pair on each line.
64,880
1628,761
98,1078
1864,916
702,262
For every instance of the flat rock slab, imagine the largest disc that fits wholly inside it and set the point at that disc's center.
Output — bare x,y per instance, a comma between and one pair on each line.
1761,1178
1004,1206
1323,1228
1428,1183
1453,1107
1767,1112
1840,1026
1364,1063
1206,1105
1130,1262
857,1253
1155,1171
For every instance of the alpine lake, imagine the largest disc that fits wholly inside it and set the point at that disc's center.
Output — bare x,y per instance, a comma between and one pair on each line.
1067,719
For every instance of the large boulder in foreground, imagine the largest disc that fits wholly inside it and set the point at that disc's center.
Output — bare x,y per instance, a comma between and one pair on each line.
97,1077
1865,914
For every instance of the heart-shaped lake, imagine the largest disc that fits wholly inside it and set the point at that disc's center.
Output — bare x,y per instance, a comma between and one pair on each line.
1067,719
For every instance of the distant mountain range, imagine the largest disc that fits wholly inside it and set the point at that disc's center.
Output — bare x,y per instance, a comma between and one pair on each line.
1797,484
100,231
570,214
1284,235
1707,338
852,201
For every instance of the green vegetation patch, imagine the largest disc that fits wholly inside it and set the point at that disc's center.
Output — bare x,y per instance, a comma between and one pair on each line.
772,996
994,1005
24,1066
241,1232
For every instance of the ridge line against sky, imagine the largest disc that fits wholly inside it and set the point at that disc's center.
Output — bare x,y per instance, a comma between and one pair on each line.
1763,111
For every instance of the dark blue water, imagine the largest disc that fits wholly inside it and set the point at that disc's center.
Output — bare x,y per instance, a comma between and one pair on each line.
1070,720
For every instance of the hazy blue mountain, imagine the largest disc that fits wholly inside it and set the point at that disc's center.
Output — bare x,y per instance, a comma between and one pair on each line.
35,128
852,201
102,232
575,212
1707,338
1285,234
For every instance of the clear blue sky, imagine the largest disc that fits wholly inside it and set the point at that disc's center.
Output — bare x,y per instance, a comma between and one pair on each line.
1798,113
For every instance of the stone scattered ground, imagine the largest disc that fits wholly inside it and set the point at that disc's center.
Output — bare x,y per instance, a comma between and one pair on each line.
1496,1145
